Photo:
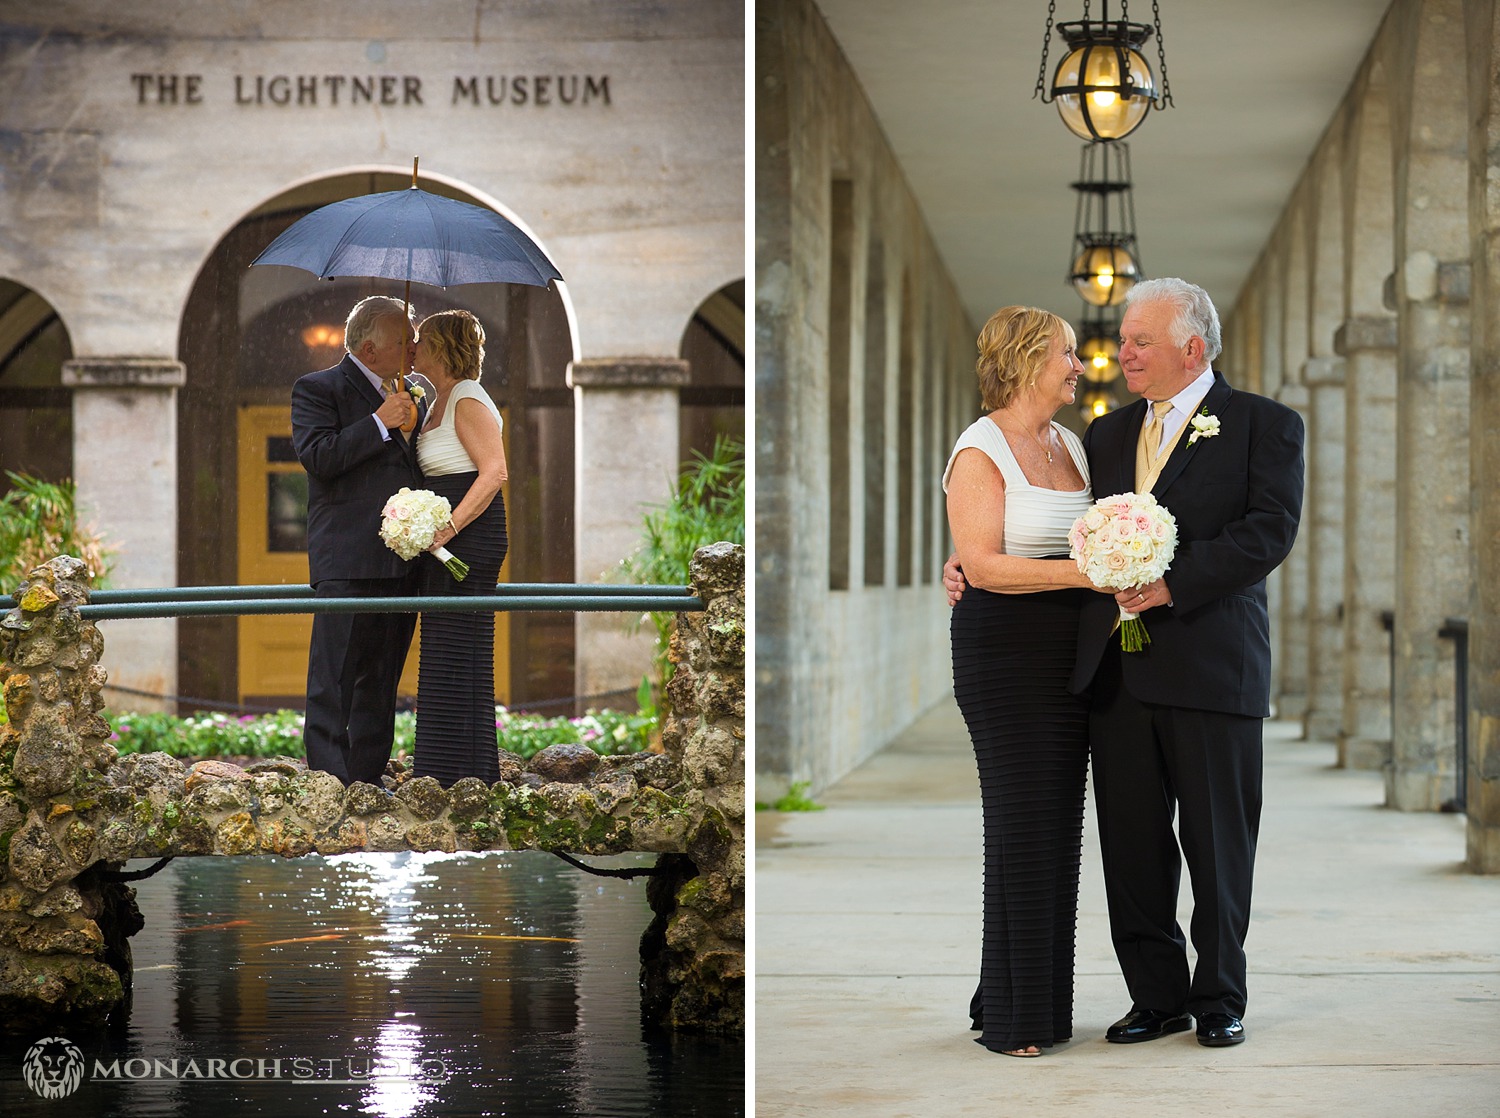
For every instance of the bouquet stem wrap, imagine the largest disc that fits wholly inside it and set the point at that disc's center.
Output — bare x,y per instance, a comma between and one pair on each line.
410,520
456,566
1125,540
1133,635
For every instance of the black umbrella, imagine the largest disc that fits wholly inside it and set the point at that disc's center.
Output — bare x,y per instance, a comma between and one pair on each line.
414,236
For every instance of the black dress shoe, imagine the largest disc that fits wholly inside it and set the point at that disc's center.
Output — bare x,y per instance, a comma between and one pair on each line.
1146,1024
1220,1030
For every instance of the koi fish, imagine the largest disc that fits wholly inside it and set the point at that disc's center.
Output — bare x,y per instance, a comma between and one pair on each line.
300,939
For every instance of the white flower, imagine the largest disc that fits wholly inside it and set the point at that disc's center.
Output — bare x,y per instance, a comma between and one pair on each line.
1205,426
1131,543
411,518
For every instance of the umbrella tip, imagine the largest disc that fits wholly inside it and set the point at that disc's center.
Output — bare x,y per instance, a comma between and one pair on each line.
414,172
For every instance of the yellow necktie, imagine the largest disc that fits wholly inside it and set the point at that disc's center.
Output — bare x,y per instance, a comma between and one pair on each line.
1150,444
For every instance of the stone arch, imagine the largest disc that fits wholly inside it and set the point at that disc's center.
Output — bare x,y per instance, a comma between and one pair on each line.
1325,311
243,339
1369,190
36,410
1272,298
1368,344
1295,290
1323,372
712,402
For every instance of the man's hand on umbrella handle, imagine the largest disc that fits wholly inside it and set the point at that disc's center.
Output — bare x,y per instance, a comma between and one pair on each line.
396,410
953,579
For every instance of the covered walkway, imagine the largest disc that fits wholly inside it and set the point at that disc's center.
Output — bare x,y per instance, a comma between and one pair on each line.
1374,959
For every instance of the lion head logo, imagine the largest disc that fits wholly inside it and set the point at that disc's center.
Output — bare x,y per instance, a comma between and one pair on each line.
53,1067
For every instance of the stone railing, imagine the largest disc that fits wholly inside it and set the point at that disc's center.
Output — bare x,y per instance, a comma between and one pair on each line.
72,811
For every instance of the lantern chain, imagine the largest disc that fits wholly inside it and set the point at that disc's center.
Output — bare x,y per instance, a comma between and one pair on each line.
1041,74
1161,58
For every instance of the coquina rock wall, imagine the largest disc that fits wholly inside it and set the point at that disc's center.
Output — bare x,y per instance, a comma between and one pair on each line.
72,812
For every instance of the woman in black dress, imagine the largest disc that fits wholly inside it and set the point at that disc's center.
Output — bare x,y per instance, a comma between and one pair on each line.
462,458
1016,482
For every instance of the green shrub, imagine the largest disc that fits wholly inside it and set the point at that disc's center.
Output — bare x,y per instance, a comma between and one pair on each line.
707,506
39,520
607,732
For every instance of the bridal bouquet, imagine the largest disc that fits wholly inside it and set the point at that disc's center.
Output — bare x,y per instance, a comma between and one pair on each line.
1125,540
409,521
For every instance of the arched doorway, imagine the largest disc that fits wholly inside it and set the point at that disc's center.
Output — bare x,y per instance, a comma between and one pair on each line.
713,345
247,334
36,411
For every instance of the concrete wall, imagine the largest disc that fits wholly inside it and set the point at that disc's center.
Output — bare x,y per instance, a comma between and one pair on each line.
864,378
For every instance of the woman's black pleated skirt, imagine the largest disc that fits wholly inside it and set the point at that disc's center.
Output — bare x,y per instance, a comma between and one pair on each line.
1012,655
456,678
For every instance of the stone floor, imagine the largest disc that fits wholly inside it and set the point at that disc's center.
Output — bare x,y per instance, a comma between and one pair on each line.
1374,959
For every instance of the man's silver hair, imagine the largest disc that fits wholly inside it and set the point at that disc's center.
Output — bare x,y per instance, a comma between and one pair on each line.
1195,311
367,313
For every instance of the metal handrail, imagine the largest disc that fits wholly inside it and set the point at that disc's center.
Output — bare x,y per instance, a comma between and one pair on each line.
1456,629
281,590
496,603
506,598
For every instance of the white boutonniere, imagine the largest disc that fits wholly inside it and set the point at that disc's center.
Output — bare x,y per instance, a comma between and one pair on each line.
1205,426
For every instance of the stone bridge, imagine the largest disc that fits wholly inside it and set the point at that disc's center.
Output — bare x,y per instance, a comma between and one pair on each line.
72,812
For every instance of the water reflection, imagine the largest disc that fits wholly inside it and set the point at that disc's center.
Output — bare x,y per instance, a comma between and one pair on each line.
390,985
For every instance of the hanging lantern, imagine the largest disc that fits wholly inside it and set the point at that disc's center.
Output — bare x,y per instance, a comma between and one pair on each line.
1104,272
1104,86
1098,349
1095,402
1105,263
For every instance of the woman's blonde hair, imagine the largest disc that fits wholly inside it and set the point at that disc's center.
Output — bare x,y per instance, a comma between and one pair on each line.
457,341
1013,347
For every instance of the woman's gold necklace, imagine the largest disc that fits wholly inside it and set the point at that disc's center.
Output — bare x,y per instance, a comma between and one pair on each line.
1038,442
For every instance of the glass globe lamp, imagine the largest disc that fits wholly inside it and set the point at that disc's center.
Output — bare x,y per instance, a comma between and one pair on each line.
1094,403
1100,355
1104,273
1103,88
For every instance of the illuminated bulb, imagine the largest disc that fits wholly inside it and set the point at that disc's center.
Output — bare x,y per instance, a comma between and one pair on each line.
1089,90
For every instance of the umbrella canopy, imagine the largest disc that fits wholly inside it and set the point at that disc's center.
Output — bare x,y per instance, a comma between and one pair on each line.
414,236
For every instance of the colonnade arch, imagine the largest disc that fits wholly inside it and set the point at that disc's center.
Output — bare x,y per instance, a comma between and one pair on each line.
1361,306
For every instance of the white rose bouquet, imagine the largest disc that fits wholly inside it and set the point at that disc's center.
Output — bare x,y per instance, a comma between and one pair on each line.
1125,540
409,521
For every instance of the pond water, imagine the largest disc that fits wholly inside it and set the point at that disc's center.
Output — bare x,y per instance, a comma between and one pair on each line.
391,985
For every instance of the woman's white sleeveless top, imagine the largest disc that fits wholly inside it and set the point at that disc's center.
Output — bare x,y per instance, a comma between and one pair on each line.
438,450
1037,520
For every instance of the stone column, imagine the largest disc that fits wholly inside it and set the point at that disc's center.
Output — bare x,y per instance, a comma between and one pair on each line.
1432,518
1290,633
124,432
1368,345
626,460
1323,530
1483,38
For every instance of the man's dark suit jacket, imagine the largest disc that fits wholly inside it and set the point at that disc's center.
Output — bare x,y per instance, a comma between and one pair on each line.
351,472
1237,498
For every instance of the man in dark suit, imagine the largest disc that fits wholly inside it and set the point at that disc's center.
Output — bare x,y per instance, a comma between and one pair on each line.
346,430
1179,723
1175,729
